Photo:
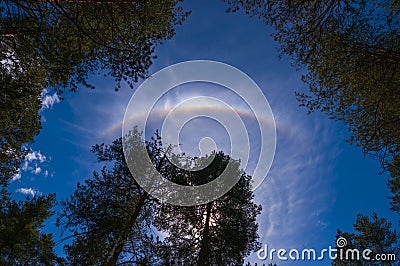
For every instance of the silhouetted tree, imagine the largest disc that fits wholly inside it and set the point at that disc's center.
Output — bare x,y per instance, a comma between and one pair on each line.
69,39
375,234
351,51
221,232
21,240
19,119
57,44
110,215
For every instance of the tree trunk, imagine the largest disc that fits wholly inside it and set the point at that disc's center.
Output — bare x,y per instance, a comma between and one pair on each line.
118,250
204,253
142,201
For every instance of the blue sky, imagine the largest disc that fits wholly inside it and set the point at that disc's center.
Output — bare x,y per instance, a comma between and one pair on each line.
317,182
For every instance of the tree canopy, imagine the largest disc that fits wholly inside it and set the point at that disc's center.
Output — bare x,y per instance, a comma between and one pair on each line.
350,53
108,217
111,220
70,39
375,234
22,241
57,44
19,119
350,50
221,232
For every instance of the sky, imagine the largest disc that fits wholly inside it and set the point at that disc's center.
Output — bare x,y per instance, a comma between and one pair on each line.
317,182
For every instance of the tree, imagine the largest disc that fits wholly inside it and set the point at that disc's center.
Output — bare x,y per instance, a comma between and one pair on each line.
221,232
70,39
19,119
394,185
351,51
375,234
21,239
109,217
57,44
111,220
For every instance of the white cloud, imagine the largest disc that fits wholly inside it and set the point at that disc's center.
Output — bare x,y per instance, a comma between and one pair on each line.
37,170
27,191
35,155
297,194
25,166
32,164
49,100
10,62
17,176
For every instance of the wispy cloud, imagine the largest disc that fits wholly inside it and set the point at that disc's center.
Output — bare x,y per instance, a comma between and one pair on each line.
37,170
97,110
16,177
48,100
35,155
25,165
27,191
297,194
32,163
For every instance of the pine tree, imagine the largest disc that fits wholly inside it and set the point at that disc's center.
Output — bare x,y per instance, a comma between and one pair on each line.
221,232
375,234
55,45
22,241
350,51
109,217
